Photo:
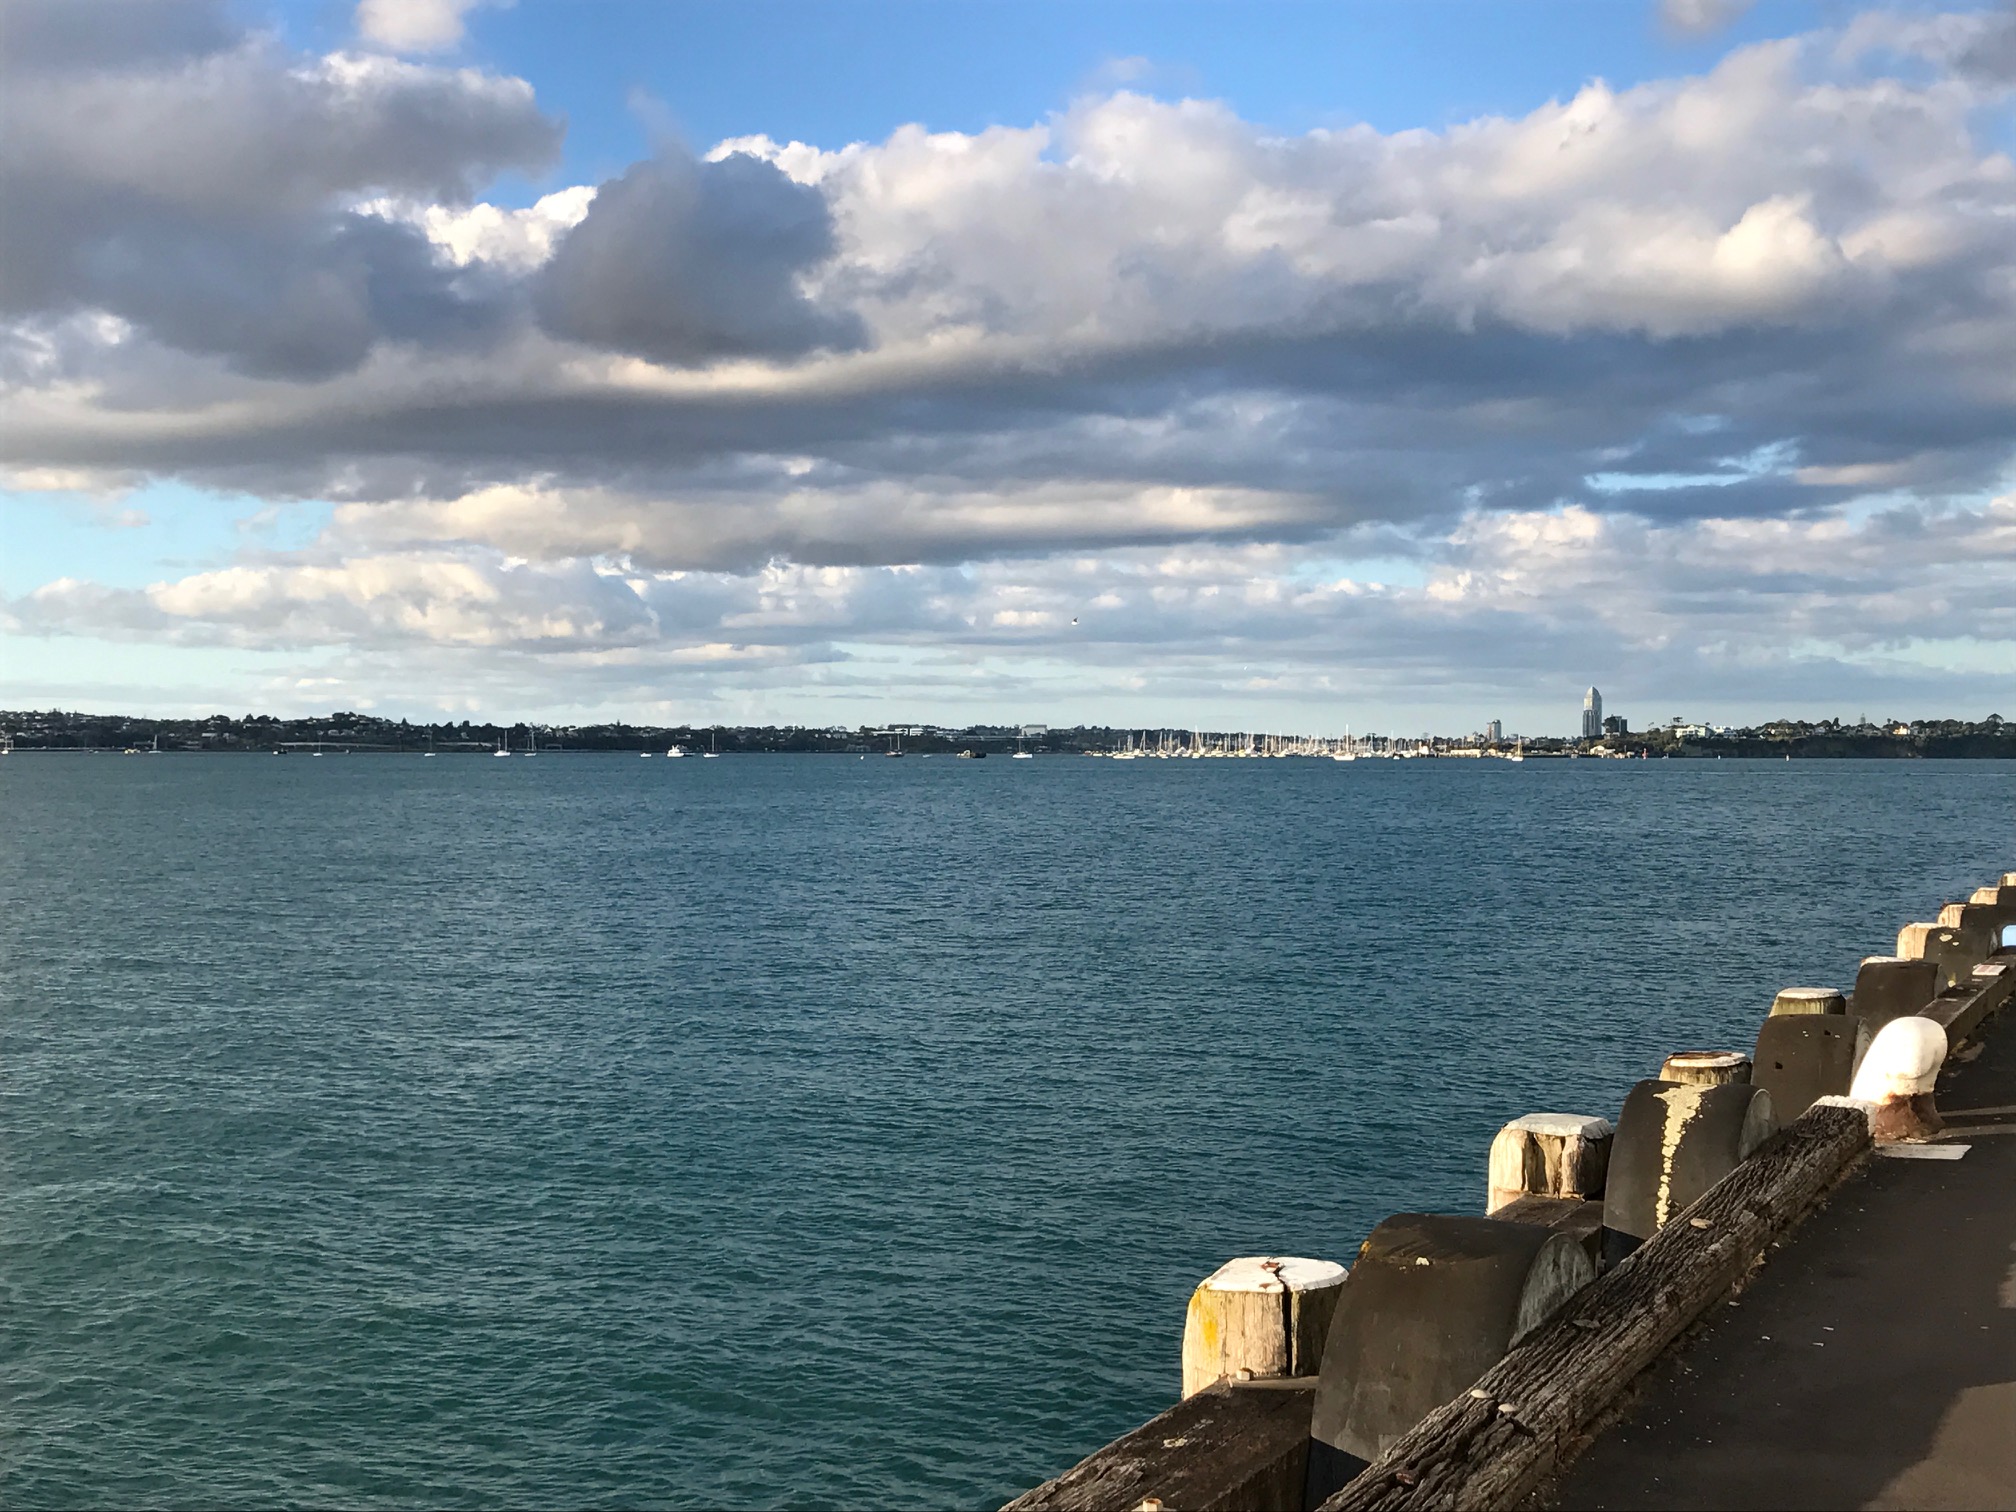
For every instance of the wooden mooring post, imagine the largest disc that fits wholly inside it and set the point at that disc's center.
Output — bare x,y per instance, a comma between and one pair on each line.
1555,1155
1257,1317
1791,1001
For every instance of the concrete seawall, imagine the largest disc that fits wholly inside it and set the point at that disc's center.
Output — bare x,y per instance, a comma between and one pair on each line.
1468,1361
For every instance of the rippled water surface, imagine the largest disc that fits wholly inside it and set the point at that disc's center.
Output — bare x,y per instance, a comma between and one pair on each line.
802,1130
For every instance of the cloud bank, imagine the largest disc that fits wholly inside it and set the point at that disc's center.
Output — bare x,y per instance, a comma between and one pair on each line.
1702,385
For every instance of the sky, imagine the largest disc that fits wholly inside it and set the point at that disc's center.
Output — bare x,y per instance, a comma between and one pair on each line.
1252,366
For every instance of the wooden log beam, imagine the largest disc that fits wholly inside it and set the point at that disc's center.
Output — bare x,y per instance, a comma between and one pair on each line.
1229,1448
1491,1445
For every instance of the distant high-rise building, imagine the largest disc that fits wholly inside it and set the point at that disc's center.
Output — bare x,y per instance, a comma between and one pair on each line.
1495,731
1592,715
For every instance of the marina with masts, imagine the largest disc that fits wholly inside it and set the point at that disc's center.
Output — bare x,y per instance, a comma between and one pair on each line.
1202,745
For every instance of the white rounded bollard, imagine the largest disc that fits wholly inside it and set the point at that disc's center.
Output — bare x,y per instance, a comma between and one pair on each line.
1897,1075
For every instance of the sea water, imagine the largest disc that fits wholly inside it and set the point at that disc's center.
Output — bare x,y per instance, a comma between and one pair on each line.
808,1131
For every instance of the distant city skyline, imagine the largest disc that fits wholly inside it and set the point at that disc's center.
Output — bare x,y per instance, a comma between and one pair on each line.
1398,366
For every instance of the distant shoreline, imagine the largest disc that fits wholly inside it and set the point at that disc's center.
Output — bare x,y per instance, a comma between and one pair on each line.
1546,756
365,734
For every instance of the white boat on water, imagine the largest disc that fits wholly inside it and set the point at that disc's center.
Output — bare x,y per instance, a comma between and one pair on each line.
674,753
503,747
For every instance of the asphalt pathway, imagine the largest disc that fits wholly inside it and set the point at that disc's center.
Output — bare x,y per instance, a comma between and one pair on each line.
1871,1363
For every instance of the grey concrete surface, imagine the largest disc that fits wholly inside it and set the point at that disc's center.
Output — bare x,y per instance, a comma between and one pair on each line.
1871,1363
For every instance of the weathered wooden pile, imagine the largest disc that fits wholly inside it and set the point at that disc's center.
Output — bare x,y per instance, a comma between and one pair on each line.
1461,1360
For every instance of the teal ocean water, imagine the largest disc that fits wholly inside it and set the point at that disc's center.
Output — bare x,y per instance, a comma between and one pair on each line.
803,1131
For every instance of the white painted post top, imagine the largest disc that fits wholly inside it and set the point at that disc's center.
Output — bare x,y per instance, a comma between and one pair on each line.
1706,1060
1882,960
1274,1273
1903,1060
1562,1125
1808,1000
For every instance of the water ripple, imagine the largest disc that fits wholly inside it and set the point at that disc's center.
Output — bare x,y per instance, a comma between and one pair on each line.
803,1132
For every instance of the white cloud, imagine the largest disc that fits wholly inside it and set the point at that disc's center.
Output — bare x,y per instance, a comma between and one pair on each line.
1141,393
517,241
413,25
1740,607
741,522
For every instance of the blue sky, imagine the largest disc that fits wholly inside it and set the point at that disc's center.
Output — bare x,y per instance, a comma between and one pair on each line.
1254,365
837,71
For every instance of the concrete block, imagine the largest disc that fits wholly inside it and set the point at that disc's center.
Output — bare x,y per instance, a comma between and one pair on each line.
1953,953
1889,987
1801,1059
1673,1142
1432,1302
1979,924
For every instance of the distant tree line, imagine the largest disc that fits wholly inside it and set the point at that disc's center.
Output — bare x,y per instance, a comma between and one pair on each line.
59,730
1941,738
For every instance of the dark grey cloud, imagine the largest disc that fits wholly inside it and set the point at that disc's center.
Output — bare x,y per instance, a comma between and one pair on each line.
299,297
97,34
682,262
1990,57
193,181
1403,345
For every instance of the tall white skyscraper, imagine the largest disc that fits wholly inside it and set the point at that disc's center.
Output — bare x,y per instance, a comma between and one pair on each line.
1592,715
